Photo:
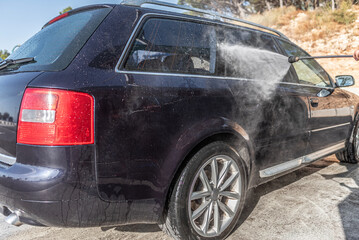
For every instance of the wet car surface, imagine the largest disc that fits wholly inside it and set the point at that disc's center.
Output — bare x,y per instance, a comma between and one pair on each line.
316,202
167,120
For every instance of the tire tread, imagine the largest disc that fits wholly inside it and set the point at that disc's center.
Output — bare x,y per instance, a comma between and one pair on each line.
349,154
171,224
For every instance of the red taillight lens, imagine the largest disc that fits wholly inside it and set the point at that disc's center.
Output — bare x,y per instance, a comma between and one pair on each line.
56,117
66,14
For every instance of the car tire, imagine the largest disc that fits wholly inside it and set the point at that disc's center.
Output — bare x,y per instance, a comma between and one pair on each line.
351,153
208,197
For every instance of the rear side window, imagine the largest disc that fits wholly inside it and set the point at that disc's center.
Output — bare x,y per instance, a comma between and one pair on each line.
165,45
308,71
175,46
56,45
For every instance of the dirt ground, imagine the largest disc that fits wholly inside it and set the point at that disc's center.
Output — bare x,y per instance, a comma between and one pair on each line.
320,201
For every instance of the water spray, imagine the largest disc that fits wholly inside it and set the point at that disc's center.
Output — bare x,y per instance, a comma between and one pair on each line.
293,59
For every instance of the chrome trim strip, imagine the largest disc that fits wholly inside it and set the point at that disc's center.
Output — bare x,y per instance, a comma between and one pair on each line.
339,112
182,75
326,128
283,167
272,171
7,159
207,76
316,155
305,85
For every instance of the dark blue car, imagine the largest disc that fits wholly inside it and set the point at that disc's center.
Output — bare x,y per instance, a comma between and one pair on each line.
159,113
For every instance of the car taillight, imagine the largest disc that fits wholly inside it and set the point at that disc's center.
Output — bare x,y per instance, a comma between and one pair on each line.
66,14
56,117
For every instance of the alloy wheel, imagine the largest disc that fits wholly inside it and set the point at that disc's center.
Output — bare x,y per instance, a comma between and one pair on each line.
215,196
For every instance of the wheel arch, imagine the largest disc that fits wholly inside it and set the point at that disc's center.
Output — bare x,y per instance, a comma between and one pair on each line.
230,132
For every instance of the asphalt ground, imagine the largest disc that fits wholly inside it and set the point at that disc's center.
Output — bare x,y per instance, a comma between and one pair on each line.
320,201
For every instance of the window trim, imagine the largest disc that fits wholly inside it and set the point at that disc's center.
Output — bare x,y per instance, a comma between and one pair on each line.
120,64
213,77
145,18
142,21
291,69
119,68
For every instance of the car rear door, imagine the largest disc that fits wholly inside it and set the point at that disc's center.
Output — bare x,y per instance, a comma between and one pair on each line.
330,113
270,105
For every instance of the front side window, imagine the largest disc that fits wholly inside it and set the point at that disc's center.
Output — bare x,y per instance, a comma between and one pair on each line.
308,71
247,54
165,45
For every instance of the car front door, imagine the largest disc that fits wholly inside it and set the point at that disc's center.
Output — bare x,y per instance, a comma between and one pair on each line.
270,105
330,114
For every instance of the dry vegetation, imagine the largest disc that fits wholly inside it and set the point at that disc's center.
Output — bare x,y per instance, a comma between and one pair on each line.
320,32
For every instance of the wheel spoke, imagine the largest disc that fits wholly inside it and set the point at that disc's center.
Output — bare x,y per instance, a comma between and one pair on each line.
199,195
205,181
228,182
216,217
223,173
228,194
207,218
198,212
214,170
225,209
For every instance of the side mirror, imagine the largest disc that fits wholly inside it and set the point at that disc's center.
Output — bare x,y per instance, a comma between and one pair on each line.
344,81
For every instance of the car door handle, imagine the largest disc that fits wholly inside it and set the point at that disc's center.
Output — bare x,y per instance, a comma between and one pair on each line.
314,102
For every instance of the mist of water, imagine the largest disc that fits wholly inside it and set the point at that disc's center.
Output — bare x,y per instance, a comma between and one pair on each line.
267,67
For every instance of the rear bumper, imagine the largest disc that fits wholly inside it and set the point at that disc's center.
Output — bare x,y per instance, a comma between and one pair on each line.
48,185
80,213
21,184
56,186
34,192
31,212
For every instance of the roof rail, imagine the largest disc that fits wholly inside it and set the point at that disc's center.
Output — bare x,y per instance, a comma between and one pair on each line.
139,3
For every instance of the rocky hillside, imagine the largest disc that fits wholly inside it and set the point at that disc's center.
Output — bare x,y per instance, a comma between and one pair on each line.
319,34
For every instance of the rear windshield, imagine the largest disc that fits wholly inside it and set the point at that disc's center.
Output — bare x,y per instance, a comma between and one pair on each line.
55,46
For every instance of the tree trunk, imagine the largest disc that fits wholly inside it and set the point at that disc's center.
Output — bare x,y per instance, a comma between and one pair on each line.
281,3
268,5
315,4
239,9
333,5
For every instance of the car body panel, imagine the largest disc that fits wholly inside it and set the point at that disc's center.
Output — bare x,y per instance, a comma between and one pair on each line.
331,119
147,125
12,87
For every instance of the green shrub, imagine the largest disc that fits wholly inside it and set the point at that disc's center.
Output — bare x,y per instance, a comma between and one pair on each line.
344,15
275,16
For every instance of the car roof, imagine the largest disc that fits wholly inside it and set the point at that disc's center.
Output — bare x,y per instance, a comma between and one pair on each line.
201,13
